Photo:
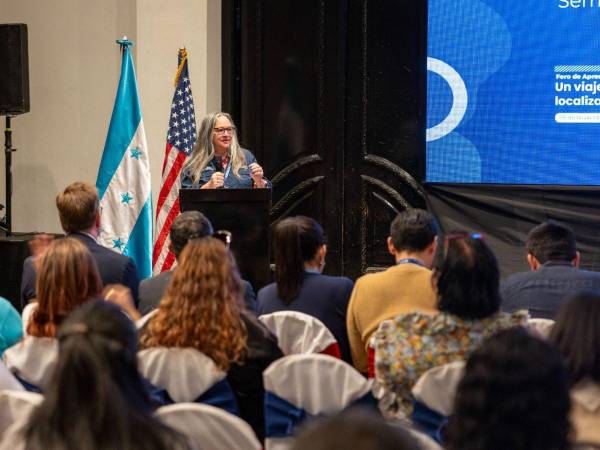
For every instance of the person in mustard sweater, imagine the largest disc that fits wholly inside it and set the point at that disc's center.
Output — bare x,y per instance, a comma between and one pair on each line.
401,288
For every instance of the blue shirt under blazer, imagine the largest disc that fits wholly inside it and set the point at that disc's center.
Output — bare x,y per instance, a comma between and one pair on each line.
231,181
321,296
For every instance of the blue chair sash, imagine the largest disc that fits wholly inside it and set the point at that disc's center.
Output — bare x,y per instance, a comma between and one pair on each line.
220,395
282,418
431,422
28,386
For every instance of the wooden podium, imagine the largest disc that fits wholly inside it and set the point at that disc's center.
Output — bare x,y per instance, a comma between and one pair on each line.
243,212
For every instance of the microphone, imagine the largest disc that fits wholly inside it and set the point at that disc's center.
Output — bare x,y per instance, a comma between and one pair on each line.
218,164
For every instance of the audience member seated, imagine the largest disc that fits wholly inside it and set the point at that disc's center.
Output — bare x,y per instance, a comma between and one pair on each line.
188,225
79,213
67,277
466,275
514,395
403,288
576,334
203,309
96,399
11,328
355,429
554,262
300,286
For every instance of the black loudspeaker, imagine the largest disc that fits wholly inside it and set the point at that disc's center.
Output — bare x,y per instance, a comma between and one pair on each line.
13,251
14,69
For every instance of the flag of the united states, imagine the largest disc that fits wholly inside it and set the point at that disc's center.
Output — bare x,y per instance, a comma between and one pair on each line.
180,140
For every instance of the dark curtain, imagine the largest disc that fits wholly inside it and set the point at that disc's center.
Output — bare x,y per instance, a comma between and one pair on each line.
506,213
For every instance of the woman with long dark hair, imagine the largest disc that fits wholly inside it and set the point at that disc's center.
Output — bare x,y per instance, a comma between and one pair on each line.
576,334
466,276
203,309
300,252
514,395
96,399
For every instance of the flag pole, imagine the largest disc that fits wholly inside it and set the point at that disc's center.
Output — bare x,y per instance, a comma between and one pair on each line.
181,136
182,54
123,182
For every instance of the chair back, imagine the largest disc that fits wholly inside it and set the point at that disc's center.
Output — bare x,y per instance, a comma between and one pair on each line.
300,386
371,357
187,375
436,388
300,333
8,380
16,406
209,428
541,326
424,441
142,321
26,315
32,361
434,395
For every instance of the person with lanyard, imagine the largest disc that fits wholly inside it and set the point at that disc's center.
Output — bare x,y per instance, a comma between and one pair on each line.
217,160
402,288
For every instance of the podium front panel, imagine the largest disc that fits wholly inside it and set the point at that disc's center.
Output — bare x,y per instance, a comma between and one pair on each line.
243,212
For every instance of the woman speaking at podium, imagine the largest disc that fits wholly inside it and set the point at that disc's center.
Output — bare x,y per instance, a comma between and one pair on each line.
218,161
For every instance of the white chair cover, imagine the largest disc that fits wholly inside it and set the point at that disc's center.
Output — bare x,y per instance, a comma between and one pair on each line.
26,315
185,373
298,332
542,326
436,388
315,383
8,380
209,428
33,360
16,406
139,324
424,441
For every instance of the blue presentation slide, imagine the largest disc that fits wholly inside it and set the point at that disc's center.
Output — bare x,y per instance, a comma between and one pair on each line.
513,92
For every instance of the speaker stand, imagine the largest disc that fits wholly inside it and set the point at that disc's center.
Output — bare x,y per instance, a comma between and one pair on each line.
8,149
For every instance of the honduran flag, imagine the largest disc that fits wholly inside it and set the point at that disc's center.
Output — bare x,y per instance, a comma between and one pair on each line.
123,183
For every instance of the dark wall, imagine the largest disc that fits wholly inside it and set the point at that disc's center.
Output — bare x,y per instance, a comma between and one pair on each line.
330,96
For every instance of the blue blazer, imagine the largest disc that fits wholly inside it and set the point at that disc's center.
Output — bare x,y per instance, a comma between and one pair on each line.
231,181
112,266
322,296
152,290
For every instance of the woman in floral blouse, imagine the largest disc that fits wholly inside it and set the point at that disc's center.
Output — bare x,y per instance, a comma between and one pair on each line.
465,272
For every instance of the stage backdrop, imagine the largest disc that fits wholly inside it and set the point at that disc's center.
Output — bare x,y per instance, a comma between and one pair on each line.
513,98
329,95
505,214
513,92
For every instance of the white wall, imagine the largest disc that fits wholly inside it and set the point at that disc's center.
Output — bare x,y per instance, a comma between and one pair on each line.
74,67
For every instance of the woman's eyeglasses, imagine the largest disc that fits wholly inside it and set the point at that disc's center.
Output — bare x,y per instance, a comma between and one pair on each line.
223,130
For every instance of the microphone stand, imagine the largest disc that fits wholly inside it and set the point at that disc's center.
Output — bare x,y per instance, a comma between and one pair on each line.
8,149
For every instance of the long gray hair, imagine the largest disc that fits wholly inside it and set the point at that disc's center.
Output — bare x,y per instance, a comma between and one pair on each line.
204,151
